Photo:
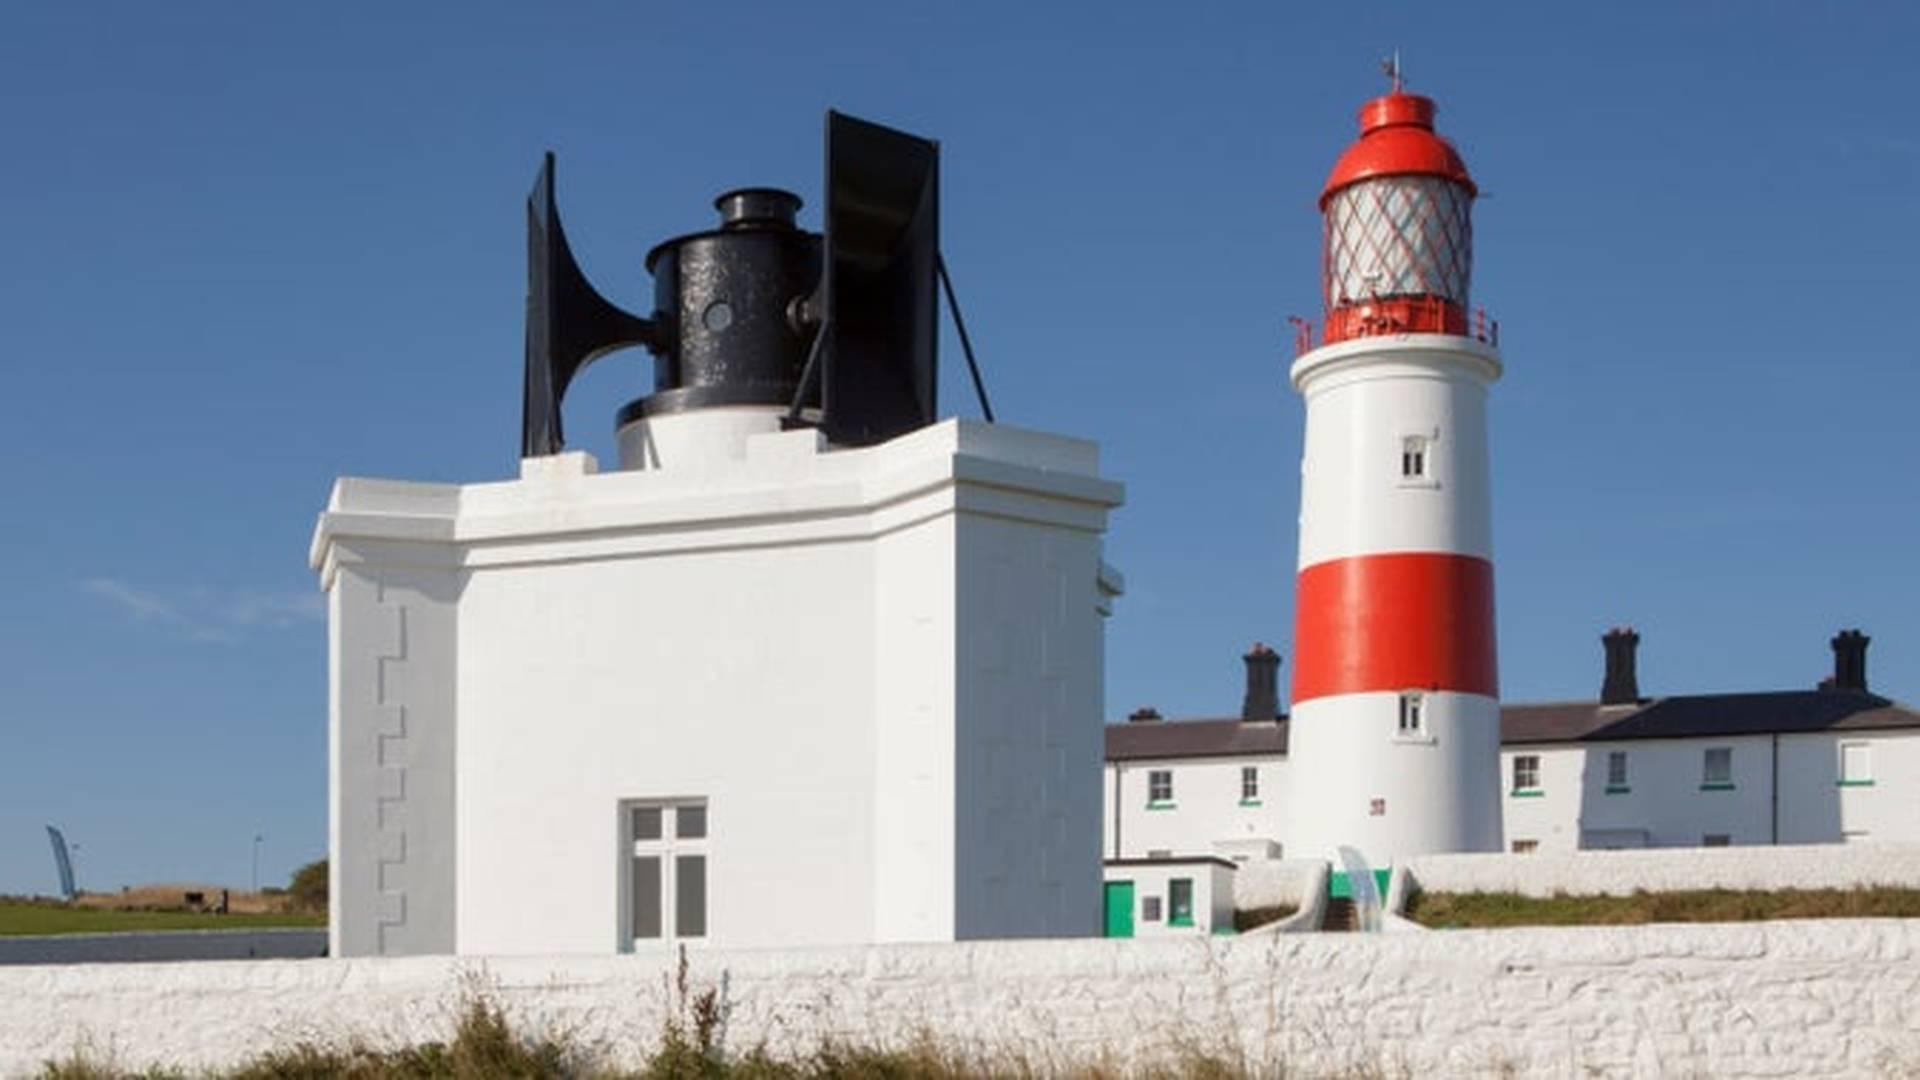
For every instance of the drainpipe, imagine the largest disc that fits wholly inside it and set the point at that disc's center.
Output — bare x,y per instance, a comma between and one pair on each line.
1119,774
1774,791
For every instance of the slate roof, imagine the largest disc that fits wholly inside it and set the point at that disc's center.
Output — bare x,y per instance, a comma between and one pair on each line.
1680,717
1231,737
1704,716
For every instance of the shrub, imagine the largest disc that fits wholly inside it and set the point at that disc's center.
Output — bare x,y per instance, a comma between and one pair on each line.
308,889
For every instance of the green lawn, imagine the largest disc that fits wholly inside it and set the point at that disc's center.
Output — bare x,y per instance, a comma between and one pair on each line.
1462,910
17,919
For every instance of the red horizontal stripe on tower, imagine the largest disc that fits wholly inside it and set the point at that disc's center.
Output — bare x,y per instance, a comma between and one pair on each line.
1405,621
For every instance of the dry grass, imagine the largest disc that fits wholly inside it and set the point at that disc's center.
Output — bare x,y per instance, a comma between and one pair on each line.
485,1047
171,897
25,918
1477,910
1248,918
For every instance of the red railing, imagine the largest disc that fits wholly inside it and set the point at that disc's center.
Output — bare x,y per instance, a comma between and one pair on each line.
1400,315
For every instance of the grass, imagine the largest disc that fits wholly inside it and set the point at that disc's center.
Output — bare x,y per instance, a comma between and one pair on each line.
485,1046
1488,910
30,917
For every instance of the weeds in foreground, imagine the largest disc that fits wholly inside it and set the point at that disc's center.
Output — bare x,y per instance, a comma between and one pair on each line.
1488,910
485,1047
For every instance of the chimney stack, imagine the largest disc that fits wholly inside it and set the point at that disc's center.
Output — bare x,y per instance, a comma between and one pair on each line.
1146,714
1622,684
1263,685
1850,661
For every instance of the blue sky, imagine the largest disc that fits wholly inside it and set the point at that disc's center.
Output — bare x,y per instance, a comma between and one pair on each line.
245,251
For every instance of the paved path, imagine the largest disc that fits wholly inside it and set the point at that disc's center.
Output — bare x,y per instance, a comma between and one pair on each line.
163,945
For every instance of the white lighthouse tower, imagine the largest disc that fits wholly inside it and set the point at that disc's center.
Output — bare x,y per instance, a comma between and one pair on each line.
1394,738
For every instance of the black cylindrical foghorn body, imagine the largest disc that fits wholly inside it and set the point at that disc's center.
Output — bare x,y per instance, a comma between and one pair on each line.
728,305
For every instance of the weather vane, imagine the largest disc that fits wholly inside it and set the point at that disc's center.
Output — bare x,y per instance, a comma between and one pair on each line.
1390,66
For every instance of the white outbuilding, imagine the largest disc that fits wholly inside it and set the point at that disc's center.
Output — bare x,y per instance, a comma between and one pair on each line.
1169,897
812,666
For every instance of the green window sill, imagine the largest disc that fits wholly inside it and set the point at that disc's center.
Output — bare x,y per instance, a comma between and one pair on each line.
1256,802
1162,805
1716,787
1618,789
1528,793
1854,783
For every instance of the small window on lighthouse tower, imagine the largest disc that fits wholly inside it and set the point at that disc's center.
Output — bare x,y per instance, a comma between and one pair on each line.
1413,720
1413,458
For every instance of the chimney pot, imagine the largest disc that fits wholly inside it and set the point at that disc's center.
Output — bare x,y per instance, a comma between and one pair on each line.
1849,661
1622,683
1262,702
1146,714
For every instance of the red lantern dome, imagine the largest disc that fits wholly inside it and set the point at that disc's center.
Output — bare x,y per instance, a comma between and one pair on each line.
1398,241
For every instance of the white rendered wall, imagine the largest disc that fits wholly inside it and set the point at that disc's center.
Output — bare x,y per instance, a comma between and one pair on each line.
833,649
1027,726
1364,398
1817,808
391,747
1207,808
1758,999
740,676
1667,802
1346,752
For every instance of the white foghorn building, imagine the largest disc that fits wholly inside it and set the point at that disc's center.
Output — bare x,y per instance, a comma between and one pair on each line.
1833,764
755,687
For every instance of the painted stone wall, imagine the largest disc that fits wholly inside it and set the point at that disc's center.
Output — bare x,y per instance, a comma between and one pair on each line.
1620,873
1787,998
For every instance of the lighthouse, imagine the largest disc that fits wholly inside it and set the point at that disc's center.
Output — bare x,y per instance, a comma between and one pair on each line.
1394,739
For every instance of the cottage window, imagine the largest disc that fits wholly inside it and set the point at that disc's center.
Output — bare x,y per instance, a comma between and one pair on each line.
1716,767
1616,770
1526,773
1159,786
1856,764
1249,783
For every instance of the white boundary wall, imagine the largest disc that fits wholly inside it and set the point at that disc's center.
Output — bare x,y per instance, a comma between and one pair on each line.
1785,998
1620,873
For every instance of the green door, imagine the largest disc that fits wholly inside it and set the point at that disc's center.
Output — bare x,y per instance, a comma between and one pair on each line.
1119,909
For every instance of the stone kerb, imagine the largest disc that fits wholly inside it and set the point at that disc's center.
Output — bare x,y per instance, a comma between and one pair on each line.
1621,873
1812,998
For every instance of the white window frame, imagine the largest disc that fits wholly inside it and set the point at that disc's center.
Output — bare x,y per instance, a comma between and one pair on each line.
1417,459
1249,784
1158,779
1411,724
1517,786
1617,780
1724,779
669,847
1863,758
